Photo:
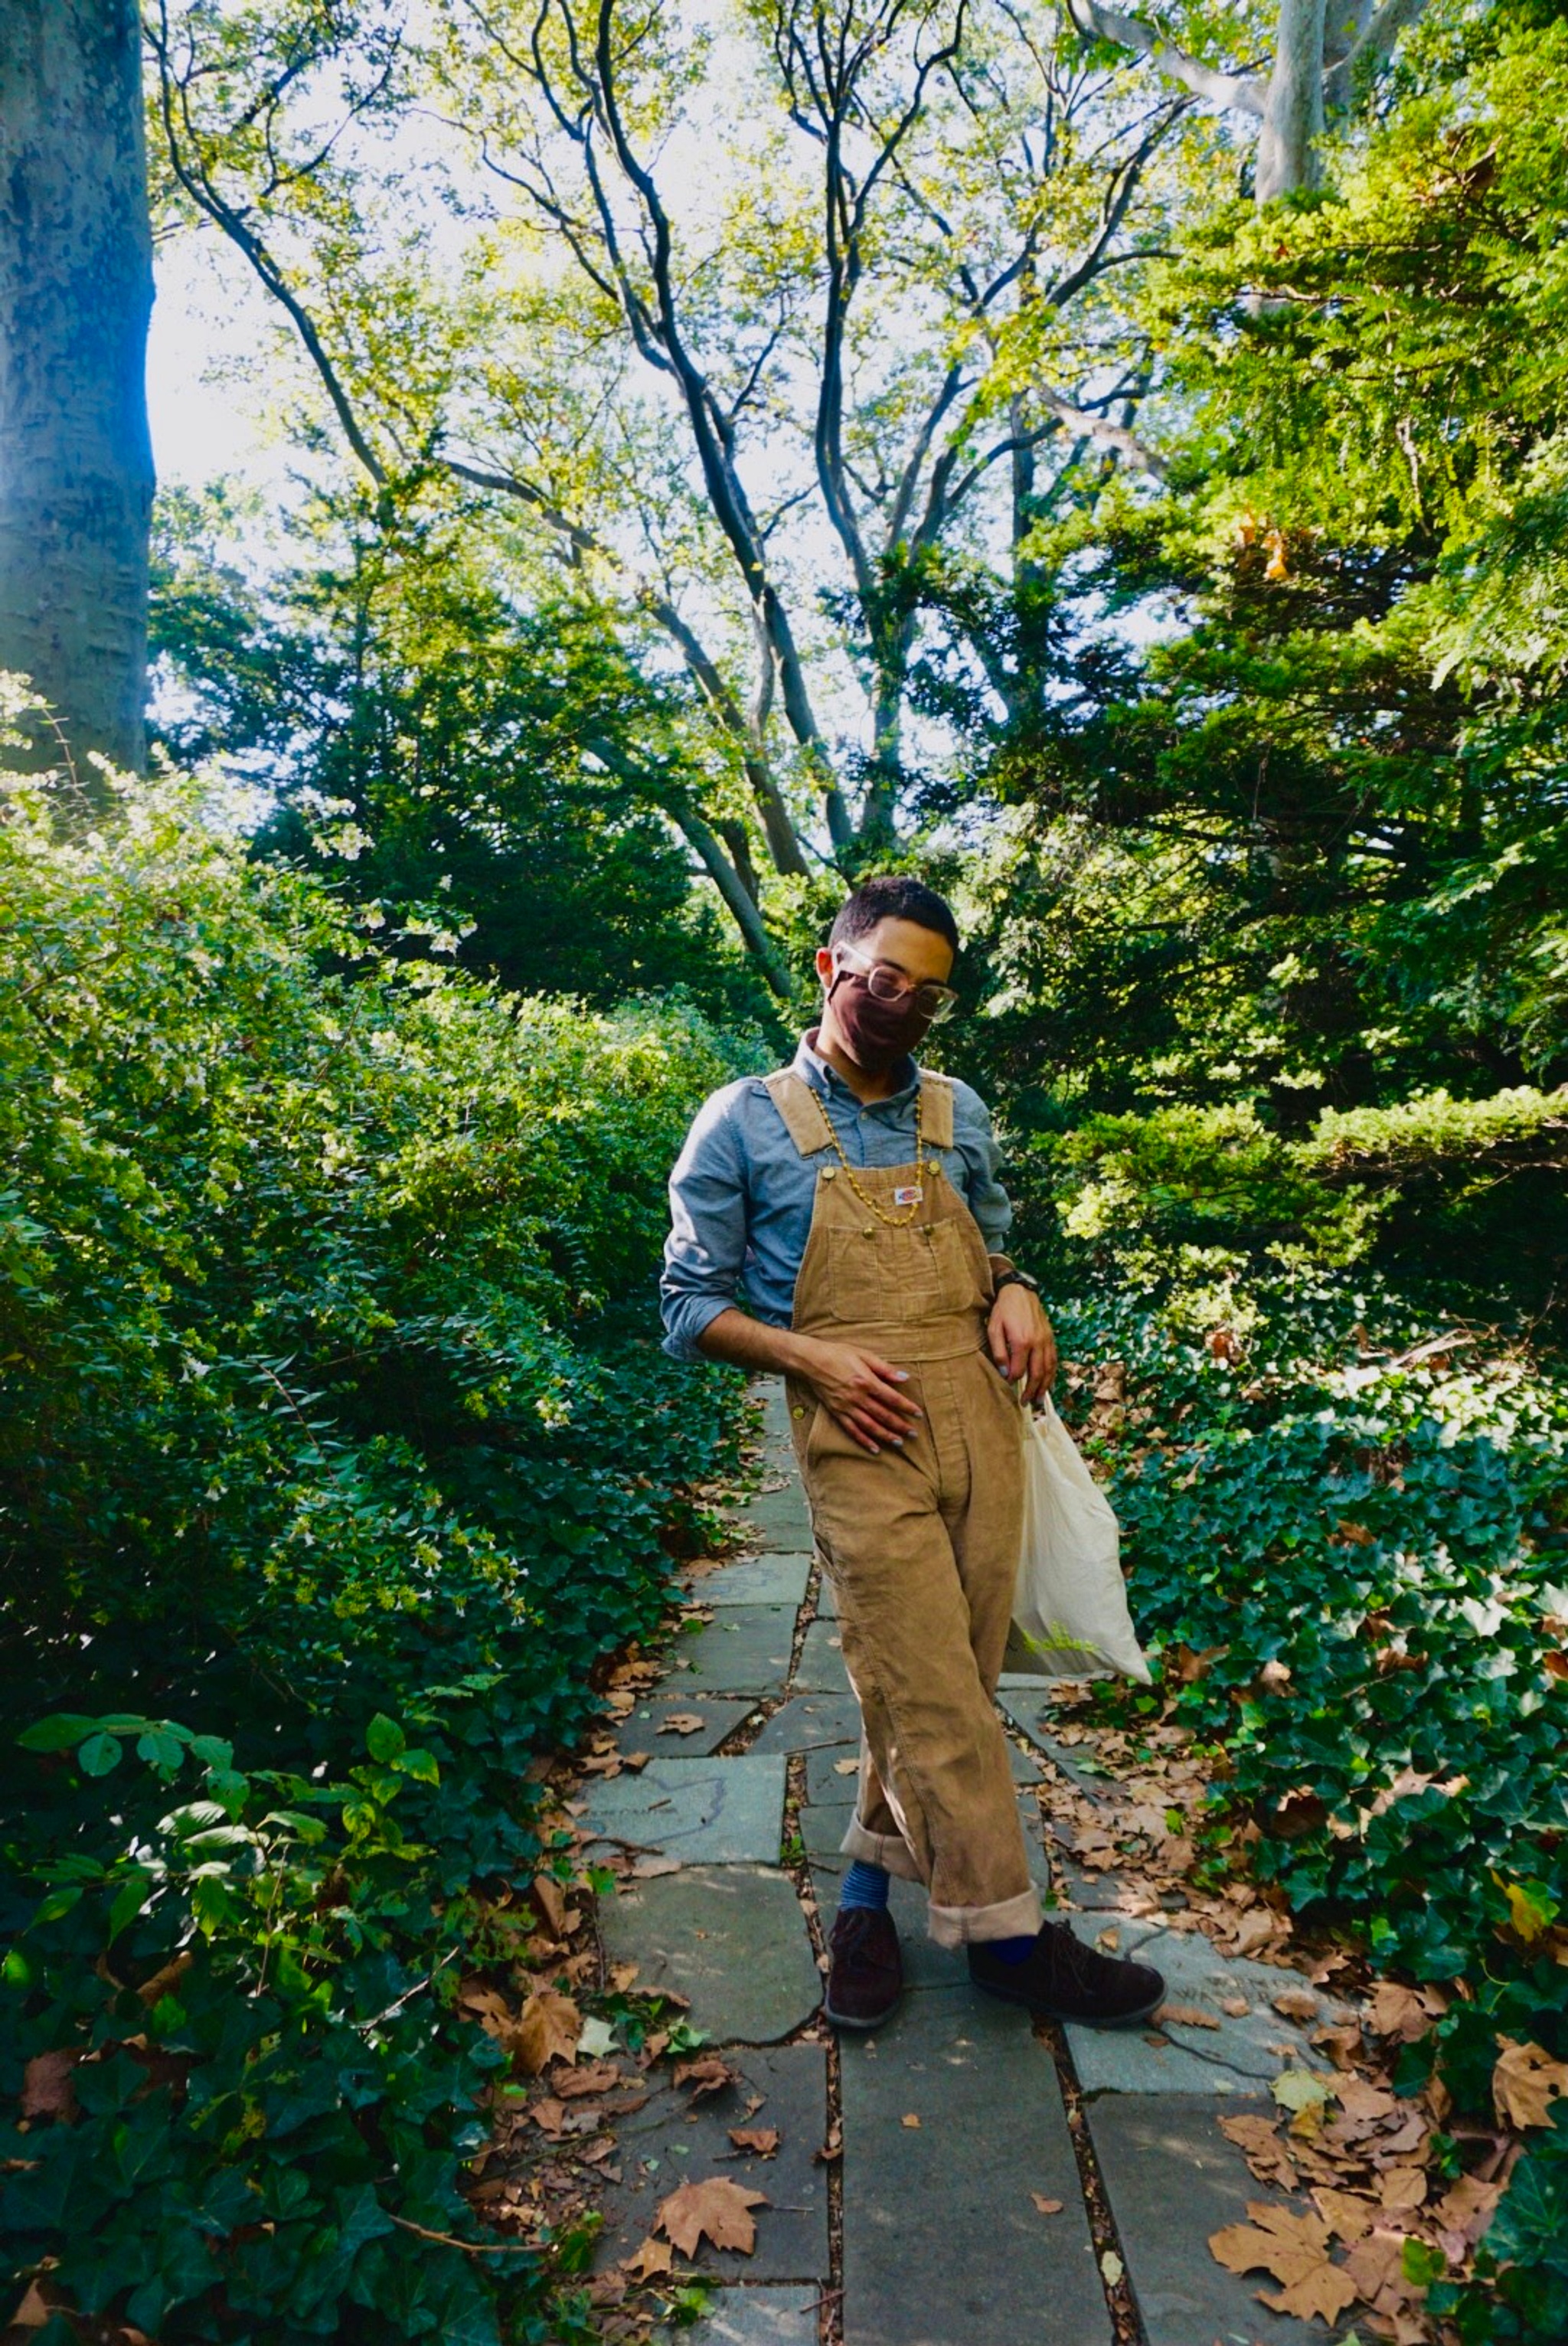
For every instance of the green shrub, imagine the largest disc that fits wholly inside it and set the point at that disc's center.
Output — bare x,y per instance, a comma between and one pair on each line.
331,1419
1380,1515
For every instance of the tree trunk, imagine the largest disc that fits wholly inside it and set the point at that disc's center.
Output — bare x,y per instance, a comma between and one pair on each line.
75,296
1293,110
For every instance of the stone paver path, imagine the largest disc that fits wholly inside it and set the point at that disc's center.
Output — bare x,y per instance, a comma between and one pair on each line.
958,2115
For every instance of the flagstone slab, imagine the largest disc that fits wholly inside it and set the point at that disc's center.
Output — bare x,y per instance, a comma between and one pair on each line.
744,1650
943,2244
732,1938
822,1666
719,1714
675,2140
778,1519
753,2317
1172,2178
704,1811
756,1580
808,1720
1240,2056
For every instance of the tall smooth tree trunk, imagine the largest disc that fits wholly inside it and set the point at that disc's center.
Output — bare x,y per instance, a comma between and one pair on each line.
1293,109
75,296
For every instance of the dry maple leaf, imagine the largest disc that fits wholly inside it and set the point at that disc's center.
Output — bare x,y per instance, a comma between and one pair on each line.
1467,2208
717,2208
1400,2011
1046,2207
653,2257
1235,2008
763,2140
1184,2015
1401,2188
682,1722
1294,2249
1525,2083
910,2119
1347,2215
547,2029
1296,2003
593,2077
709,2074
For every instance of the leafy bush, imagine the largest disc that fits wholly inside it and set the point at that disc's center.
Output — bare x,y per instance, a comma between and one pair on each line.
1352,1548
333,1421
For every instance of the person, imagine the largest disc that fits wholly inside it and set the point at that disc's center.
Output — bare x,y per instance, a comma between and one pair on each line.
841,1223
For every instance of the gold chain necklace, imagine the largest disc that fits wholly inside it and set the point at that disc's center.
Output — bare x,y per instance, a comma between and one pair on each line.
893,1221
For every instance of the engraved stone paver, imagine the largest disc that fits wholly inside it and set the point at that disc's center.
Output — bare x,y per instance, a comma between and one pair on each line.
675,2140
704,1811
943,2244
732,1938
1173,2179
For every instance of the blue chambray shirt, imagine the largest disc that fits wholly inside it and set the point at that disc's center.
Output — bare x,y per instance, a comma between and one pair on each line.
741,1193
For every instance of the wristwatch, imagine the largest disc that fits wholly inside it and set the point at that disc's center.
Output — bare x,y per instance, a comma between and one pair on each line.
1013,1278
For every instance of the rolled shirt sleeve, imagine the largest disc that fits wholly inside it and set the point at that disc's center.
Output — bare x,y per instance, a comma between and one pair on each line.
704,1253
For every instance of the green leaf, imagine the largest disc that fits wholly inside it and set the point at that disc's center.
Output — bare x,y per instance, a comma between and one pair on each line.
61,1731
130,1899
101,1754
384,1739
161,1750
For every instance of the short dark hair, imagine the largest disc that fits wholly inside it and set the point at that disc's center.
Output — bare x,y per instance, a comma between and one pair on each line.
892,896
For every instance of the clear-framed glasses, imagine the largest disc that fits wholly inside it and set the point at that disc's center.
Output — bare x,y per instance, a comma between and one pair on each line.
886,983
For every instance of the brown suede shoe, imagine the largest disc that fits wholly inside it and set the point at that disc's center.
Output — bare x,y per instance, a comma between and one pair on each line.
865,1970
1062,1979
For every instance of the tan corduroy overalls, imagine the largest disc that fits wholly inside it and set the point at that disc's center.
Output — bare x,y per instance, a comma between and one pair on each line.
921,1541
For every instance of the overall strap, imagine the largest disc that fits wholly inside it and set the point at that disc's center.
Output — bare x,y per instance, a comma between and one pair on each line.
797,1103
793,1099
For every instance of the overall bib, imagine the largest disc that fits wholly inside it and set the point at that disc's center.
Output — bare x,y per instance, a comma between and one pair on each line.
920,1543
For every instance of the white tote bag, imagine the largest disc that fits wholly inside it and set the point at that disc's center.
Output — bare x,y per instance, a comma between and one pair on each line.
1070,1617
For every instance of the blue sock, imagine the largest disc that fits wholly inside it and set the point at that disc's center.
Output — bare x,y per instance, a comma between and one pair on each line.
863,1885
1010,1951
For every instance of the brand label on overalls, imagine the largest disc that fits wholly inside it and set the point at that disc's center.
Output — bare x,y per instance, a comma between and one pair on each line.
909,1197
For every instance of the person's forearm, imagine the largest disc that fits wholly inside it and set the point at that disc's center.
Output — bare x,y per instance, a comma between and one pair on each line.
746,1343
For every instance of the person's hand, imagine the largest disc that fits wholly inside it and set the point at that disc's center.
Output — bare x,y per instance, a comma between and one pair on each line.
864,1392
1021,1343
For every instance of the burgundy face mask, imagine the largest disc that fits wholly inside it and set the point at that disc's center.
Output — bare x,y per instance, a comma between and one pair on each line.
877,1035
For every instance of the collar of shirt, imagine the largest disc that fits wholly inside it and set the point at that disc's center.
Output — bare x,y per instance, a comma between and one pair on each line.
814,1069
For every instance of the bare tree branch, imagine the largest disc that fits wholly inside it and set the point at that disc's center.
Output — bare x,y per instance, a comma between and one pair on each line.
1241,92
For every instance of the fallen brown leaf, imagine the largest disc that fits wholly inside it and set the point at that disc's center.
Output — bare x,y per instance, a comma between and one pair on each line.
551,1901
910,2119
47,2088
593,2077
763,2140
653,2257
1296,2003
847,1767
682,1722
1235,2008
709,2072
1400,2011
1401,2188
1525,2083
715,2207
547,2029
1294,2249
1046,2207
1184,2015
